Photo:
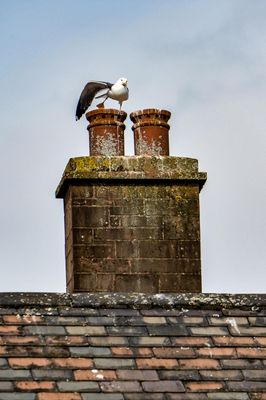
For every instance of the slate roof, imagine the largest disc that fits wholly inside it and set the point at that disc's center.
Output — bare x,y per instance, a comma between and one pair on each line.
132,347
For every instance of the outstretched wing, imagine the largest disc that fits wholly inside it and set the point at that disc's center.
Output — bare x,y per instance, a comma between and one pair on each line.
88,94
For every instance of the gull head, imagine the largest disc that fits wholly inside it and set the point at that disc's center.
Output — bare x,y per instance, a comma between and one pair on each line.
122,81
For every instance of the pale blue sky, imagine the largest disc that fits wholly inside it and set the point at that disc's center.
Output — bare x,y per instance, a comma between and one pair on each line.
204,60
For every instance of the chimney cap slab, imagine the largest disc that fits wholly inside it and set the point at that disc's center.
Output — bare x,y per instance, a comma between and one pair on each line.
131,168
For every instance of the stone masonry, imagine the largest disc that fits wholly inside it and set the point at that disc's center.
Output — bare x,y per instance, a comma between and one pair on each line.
132,224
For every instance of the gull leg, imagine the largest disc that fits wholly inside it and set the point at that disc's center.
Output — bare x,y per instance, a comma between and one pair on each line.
101,105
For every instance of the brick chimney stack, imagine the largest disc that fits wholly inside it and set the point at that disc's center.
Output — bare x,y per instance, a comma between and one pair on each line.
131,222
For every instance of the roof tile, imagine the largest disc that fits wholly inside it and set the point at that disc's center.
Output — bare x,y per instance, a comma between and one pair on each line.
261,341
216,352
89,351
247,352
121,386
163,386
126,330
234,341
225,375
247,330
71,386
209,331
204,386
34,386
228,396
186,396
112,363
258,396
3,362
126,312
103,396
22,340
140,375
150,341
228,321
86,330
10,374
157,363
184,375
29,362
44,330
257,321
241,364
58,396
174,352
192,341
65,340
132,346
254,375
167,330
6,386
144,396
249,386
17,396
9,330
108,341
95,375
199,363
54,374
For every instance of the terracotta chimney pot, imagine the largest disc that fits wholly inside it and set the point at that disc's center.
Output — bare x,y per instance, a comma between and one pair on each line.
151,132
106,132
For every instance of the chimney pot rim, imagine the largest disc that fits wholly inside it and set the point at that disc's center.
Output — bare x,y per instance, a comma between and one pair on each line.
140,124
150,111
105,111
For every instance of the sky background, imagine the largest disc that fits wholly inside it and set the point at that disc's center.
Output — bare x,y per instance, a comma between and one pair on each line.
203,60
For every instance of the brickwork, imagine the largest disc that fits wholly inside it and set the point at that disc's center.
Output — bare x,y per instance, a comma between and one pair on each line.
125,347
133,233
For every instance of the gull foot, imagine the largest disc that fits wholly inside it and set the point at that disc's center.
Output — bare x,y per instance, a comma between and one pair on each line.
101,105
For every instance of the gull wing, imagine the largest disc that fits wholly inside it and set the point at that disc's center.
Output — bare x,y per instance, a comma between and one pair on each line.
88,94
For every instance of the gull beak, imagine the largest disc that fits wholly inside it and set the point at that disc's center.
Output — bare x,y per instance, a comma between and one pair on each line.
125,83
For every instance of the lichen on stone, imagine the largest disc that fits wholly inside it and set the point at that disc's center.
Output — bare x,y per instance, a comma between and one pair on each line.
131,167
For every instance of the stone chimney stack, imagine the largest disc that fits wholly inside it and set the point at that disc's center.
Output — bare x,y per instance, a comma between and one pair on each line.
131,222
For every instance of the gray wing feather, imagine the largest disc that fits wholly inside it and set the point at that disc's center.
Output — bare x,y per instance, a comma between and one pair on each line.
88,94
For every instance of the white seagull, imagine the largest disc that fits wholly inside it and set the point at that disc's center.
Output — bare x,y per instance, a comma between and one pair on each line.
117,91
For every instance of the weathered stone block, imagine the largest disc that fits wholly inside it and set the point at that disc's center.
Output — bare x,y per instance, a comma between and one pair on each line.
125,249
81,236
105,282
180,282
94,251
85,282
189,249
89,216
157,249
140,283
82,191
102,265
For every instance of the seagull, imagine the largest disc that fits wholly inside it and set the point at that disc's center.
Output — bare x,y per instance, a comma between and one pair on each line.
117,91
